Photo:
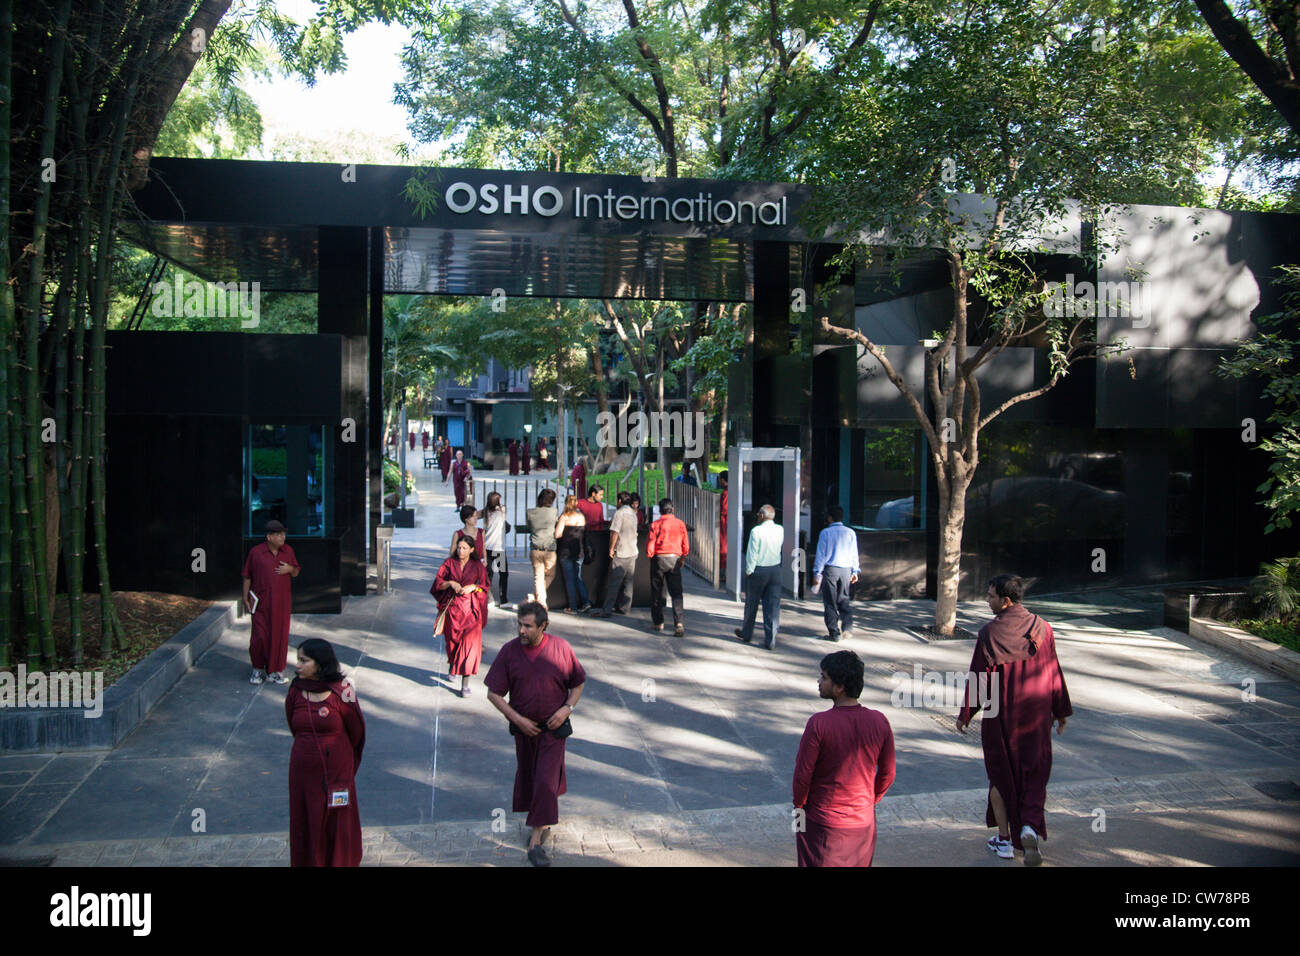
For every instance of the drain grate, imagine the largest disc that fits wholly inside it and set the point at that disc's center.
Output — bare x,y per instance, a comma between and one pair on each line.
958,634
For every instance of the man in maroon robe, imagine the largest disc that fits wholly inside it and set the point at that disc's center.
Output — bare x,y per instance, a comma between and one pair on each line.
514,456
268,569
543,679
1016,680
411,438
844,766
528,460
579,478
461,476
444,461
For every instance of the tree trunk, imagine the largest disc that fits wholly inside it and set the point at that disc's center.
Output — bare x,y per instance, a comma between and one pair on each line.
609,451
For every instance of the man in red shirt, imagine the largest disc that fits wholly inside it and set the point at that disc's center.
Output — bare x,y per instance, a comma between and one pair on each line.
593,508
543,680
844,766
268,569
666,548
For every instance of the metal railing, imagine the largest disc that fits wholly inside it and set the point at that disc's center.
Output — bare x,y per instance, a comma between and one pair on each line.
518,494
701,510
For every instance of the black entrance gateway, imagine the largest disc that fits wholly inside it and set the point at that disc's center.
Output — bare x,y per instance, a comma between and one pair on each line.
1134,465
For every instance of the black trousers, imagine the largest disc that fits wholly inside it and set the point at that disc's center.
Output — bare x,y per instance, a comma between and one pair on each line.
763,585
837,611
666,571
496,561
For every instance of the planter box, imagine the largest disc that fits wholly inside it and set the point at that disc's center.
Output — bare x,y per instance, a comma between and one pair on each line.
1279,659
125,704
1208,602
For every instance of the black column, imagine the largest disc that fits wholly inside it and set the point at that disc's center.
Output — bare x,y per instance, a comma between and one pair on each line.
341,309
833,370
375,446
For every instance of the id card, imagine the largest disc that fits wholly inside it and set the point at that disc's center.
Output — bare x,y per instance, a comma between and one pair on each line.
338,798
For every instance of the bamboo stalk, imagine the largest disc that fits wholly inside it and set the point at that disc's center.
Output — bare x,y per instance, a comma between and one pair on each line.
36,283
6,332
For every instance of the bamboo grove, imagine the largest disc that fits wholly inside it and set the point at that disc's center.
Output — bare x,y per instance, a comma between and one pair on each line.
82,88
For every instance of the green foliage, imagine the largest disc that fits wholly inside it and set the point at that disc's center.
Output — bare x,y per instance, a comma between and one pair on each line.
392,475
269,461
1273,356
1271,630
1276,589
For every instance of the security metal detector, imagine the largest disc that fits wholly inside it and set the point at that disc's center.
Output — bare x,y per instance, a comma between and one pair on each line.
739,460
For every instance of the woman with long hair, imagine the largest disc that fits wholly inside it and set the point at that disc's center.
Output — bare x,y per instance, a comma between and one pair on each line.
569,530
469,529
329,734
461,589
495,529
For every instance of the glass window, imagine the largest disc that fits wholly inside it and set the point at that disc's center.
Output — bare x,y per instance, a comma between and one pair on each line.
286,479
893,476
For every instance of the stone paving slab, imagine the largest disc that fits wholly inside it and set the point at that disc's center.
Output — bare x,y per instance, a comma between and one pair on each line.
684,748
947,819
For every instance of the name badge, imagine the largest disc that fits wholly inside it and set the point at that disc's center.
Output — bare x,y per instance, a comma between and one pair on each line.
338,798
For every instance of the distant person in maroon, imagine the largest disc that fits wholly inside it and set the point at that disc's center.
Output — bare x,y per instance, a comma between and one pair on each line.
527,460
462,479
1016,680
578,475
844,766
329,734
268,569
444,461
543,679
513,449
461,589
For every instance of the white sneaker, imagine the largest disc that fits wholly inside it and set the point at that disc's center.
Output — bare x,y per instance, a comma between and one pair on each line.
278,678
1001,847
258,676
1029,840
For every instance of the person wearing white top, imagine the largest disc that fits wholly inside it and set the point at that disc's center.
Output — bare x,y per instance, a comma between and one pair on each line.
495,527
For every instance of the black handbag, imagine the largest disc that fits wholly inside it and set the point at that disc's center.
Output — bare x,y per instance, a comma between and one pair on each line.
559,733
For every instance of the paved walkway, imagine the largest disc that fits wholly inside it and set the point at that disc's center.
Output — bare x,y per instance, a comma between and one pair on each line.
1178,753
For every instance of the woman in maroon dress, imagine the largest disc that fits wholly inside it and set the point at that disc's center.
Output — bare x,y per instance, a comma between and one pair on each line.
328,736
461,588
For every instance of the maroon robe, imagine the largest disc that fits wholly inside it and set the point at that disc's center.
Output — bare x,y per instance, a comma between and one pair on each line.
444,461
537,681
268,645
1026,685
514,457
412,439
424,440
461,473
328,737
844,766
463,626
528,460
579,478
722,531
479,551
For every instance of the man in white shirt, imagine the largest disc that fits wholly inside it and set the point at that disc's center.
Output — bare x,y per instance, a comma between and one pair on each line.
622,559
763,577
837,562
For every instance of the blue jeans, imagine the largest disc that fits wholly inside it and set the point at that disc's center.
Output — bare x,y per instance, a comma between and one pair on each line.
573,585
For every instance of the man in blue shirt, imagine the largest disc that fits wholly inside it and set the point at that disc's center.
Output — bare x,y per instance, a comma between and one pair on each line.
837,564
763,573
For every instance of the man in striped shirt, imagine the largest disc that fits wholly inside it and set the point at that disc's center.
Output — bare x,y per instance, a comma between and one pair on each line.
837,563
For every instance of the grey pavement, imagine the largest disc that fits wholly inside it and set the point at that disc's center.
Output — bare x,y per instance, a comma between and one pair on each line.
1178,753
